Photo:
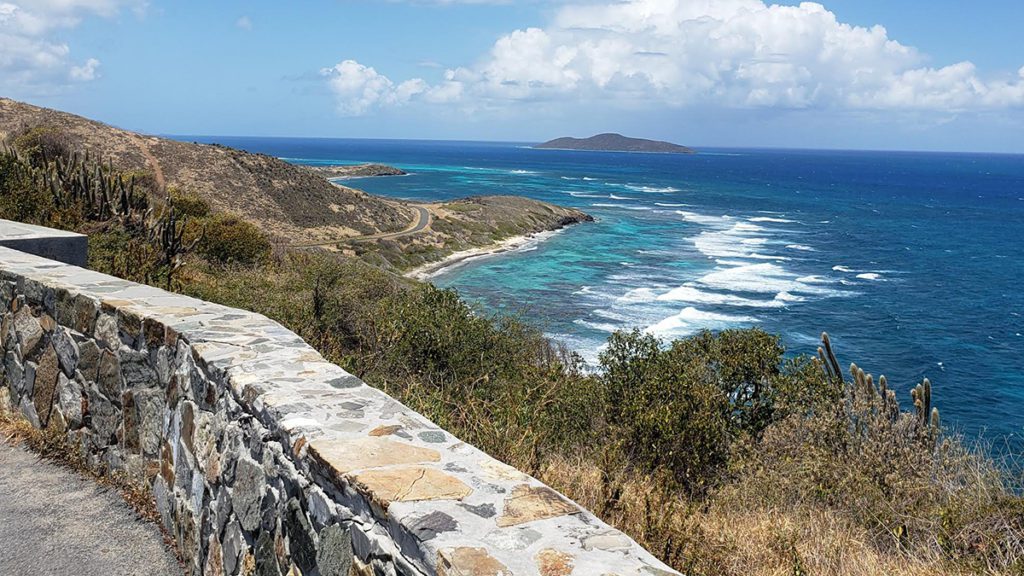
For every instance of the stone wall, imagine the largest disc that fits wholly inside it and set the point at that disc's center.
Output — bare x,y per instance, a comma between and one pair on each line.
263,457
60,245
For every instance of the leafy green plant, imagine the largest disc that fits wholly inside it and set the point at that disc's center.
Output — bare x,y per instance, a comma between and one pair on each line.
228,239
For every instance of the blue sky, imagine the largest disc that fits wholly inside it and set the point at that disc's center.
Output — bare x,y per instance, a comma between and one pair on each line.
874,74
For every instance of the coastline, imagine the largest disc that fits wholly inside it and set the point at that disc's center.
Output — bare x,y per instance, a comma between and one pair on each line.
462,257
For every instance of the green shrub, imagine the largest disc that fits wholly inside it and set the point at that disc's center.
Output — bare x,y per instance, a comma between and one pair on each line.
684,406
228,239
20,198
122,253
24,199
42,143
668,408
189,204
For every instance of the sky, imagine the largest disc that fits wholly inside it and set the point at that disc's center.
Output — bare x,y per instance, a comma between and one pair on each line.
858,74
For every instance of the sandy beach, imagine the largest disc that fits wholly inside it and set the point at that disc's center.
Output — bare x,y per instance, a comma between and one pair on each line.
513,244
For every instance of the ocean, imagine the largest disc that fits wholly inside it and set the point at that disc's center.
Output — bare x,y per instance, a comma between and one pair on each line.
912,262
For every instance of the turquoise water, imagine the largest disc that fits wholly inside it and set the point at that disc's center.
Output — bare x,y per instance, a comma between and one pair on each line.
914,263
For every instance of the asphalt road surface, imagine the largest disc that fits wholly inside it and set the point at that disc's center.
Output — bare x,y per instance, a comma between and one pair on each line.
55,522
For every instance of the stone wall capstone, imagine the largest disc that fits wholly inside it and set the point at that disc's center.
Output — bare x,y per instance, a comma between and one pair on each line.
264,458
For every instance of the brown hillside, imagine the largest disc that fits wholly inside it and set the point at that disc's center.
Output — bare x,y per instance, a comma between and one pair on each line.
288,202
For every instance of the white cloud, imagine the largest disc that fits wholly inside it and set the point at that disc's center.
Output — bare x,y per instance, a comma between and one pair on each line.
244,22
85,72
724,53
360,88
32,58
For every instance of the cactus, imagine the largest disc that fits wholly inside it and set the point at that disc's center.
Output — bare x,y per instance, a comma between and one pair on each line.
829,355
922,395
866,402
96,192
168,234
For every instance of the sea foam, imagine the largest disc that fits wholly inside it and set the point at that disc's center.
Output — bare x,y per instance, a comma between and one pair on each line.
869,276
691,320
652,189
693,295
771,219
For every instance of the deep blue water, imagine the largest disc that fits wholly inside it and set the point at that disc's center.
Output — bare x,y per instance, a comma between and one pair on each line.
913,262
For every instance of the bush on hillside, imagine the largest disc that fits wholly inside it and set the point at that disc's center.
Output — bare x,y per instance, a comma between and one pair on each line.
41,144
189,204
683,407
20,198
228,239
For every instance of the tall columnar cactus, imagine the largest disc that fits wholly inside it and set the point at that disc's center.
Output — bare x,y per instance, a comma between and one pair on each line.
99,193
927,415
827,358
167,233
869,403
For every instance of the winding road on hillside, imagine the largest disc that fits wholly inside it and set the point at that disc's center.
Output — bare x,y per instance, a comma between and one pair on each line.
422,220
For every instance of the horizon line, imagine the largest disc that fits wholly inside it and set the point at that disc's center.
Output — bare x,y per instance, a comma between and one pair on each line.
697,148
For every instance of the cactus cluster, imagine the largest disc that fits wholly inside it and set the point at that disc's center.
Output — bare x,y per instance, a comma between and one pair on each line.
866,400
925,412
881,400
100,191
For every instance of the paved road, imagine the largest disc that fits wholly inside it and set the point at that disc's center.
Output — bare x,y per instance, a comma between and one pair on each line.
421,222
55,522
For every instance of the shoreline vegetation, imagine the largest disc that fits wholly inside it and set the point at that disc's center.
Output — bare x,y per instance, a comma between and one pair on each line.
455,260
721,453
348,172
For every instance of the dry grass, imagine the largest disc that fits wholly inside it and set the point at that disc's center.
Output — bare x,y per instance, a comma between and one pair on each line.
721,536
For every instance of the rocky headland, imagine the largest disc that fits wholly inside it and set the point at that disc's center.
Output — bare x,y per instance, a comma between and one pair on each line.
358,171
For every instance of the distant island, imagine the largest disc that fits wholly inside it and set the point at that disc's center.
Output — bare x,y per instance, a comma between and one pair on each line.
614,143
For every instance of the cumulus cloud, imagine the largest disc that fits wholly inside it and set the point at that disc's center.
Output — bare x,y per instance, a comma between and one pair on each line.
360,88
244,22
31,55
85,72
726,53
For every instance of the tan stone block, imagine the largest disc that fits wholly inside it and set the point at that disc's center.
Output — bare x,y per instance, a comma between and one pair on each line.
551,562
501,471
214,558
47,322
298,445
248,564
409,483
385,430
360,569
356,454
5,400
528,503
469,562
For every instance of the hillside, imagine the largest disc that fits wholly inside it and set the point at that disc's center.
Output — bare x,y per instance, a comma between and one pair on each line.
293,205
614,143
287,202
